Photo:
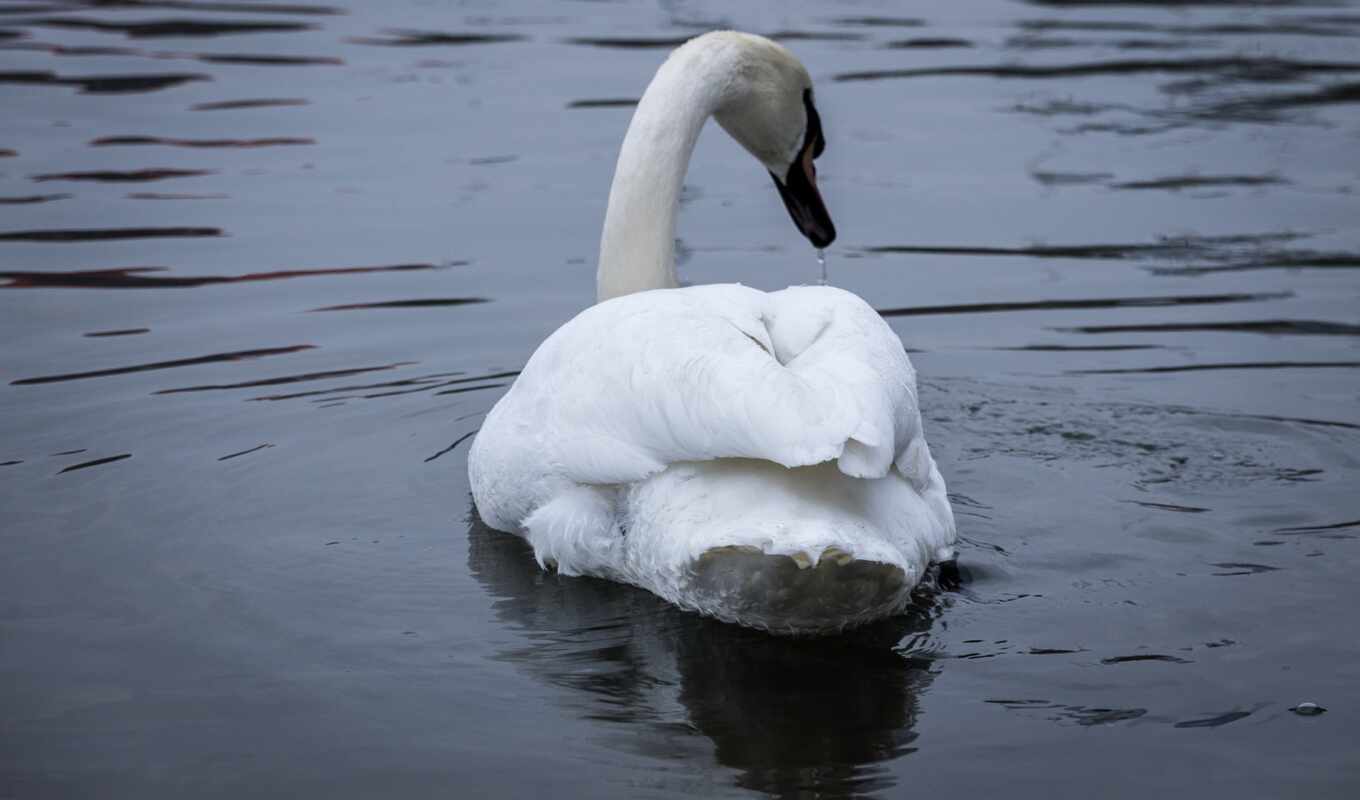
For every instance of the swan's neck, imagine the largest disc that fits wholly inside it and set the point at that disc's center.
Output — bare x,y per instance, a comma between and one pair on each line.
637,247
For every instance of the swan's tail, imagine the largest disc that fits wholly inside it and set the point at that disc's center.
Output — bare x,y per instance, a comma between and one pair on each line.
789,550
788,594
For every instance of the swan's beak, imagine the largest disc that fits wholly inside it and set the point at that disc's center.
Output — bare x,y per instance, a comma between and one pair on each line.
804,202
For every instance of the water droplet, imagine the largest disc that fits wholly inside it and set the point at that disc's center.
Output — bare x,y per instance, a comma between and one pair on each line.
1308,709
821,261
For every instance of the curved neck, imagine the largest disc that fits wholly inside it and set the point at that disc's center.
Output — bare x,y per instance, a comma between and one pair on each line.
637,247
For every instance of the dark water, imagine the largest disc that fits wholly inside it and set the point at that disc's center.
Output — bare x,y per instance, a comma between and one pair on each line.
263,264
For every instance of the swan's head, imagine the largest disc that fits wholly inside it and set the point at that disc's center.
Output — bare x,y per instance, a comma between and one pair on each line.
768,108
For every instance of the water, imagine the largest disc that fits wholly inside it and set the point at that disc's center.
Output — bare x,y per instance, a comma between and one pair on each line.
265,267
821,263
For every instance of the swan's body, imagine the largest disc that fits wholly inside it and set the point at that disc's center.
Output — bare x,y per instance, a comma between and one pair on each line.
758,457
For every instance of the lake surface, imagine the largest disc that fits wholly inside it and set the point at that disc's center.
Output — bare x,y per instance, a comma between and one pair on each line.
263,268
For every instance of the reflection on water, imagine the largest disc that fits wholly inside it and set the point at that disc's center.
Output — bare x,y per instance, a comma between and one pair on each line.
1119,238
796,718
1085,302
286,379
1189,255
1230,365
111,176
230,105
423,302
397,38
152,29
105,234
1225,70
109,141
928,42
95,463
239,355
33,198
631,42
149,277
123,332
608,102
106,84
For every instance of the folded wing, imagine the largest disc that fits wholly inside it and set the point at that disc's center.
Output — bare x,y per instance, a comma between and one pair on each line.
797,377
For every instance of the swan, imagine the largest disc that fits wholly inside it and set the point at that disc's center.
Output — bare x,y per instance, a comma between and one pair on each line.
756,457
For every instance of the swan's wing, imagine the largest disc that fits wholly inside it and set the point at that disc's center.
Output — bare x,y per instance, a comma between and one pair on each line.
797,377
834,339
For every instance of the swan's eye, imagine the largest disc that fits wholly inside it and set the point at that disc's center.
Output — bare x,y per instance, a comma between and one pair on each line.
813,137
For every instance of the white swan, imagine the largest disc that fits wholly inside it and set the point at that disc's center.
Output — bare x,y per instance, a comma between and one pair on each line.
754,456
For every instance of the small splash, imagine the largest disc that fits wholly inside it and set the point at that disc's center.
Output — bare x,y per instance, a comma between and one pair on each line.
821,262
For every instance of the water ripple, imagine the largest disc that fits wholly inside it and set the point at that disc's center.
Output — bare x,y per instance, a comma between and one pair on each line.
151,29
1086,303
102,235
238,355
150,277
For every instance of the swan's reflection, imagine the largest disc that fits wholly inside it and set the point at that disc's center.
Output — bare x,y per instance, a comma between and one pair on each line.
793,717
